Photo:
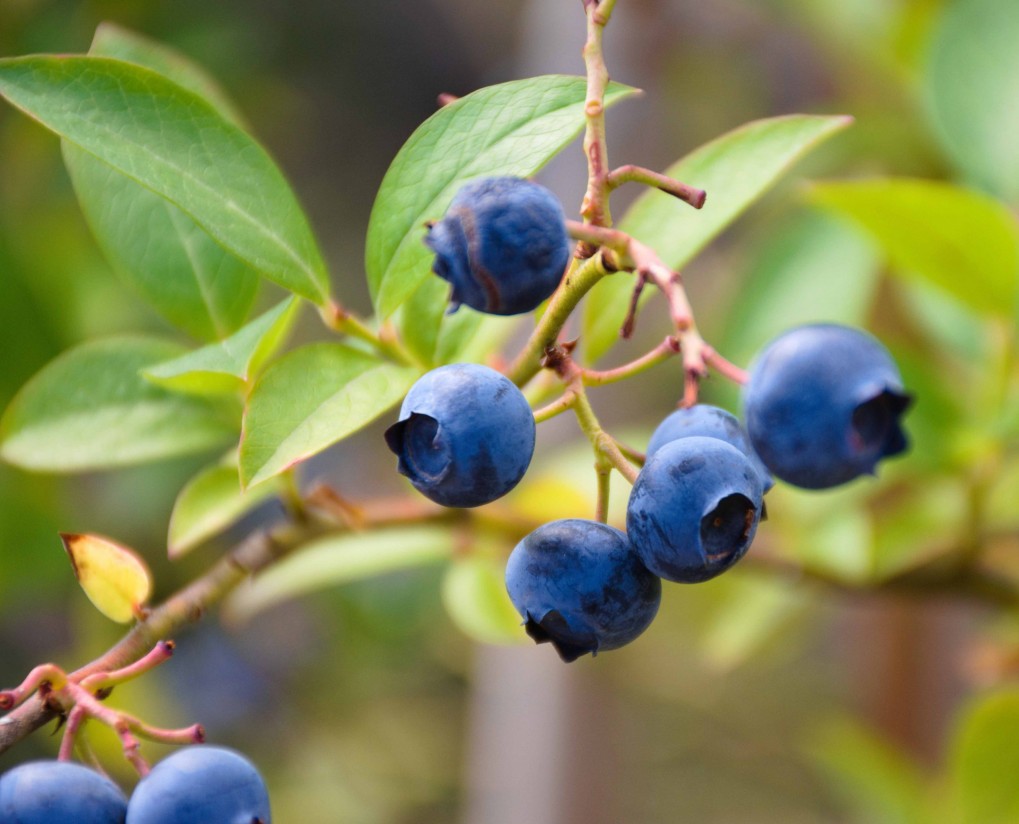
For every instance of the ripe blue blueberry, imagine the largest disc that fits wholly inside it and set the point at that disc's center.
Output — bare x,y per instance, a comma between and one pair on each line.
694,509
201,785
502,245
709,422
580,585
59,792
823,405
465,435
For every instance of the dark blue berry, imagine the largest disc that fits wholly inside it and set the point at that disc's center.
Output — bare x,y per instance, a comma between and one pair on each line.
709,422
201,785
694,509
502,245
465,435
59,792
823,405
579,585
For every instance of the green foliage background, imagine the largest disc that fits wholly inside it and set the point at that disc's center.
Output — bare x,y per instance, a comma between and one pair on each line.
762,696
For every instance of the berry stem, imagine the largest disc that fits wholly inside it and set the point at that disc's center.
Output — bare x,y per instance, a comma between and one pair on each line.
578,281
603,470
557,407
638,174
665,350
603,443
595,206
385,342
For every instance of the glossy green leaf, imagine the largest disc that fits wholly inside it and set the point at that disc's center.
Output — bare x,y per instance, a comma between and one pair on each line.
310,399
984,760
162,253
437,338
209,503
735,170
474,594
971,86
337,560
226,366
156,248
963,242
111,40
513,128
90,408
175,143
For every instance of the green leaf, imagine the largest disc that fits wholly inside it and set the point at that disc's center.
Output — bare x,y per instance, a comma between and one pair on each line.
474,594
228,365
437,338
513,128
735,170
971,87
338,560
963,242
877,783
172,262
111,40
984,760
162,253
209,503
91,409
175,143
813,268
753,610
310,399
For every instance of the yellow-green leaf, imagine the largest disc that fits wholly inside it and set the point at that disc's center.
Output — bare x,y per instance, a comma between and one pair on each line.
114,578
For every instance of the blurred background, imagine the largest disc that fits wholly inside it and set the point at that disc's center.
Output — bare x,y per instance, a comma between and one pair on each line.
762,696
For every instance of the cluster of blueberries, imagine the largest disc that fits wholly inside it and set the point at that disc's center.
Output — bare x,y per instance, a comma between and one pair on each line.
195,785
822,406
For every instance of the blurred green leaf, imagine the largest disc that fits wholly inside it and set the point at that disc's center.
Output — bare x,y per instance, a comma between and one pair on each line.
179,146
812,269
310,399
474,593
338,560
91,409
878,784
226,366
751,611
735,170
513,128
971,88
984,760
210,502
963,242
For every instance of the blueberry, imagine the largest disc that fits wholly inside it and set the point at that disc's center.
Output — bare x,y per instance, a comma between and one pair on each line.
201,785
59,792
823,404
502,245
465,435
694,509
709,422
580,585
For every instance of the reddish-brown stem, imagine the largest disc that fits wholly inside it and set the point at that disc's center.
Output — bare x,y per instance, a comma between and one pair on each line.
638,174
663,351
